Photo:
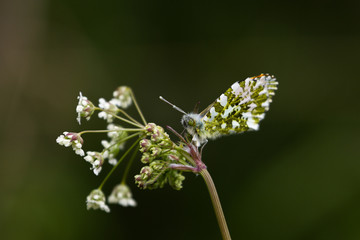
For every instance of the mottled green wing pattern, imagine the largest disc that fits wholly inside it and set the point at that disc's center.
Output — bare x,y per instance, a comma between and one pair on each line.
240,108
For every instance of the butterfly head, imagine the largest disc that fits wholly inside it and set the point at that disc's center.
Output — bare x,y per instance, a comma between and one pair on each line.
193,124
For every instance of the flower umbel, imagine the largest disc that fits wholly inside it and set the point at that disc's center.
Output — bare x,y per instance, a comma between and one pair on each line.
162,155
116,142
96,200
68,139
109,109
96,159
85,108
122,195
122,97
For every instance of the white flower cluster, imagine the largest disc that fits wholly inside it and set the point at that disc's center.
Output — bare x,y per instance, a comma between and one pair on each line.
111,155
96,159
113,146
71,139
85,108
117,135
122,97
121,194
109,108
96,200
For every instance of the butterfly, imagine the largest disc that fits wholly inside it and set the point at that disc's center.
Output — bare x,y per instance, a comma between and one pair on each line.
238,109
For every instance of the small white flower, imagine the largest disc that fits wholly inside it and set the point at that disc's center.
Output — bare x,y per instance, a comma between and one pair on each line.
62,140
103,104
113,146
96,200
121,194
96,159
85,108
71,139
112,151
113,161
109,108
117,134
122,97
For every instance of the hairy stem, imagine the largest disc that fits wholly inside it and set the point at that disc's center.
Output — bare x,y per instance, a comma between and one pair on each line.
216,204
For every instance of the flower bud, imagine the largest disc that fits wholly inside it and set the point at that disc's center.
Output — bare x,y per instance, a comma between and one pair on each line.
146,172
150,127
155,151
157,165
145,144
122,195
96,200
85,108
175,179
145,158
71,139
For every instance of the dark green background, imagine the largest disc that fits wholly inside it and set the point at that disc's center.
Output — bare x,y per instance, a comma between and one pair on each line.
296,178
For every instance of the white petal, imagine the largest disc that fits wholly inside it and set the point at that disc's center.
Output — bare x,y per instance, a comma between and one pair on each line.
235,124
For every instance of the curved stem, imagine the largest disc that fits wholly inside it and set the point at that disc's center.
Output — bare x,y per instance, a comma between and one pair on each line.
122,140
186,155
120,118
129,117
216,204
114,130
117,164
137,107
128,166
125,120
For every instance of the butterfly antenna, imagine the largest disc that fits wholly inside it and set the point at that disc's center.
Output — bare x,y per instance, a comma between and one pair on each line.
177,108
196,108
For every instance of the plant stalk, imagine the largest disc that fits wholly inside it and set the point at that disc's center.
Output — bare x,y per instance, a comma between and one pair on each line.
216,204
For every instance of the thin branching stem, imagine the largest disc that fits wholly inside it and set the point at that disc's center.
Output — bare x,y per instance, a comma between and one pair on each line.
121,141
118,163
216,204
137,107
129,117
126,172
120,118
113,130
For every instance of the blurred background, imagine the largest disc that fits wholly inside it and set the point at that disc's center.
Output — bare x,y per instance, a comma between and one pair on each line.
296,178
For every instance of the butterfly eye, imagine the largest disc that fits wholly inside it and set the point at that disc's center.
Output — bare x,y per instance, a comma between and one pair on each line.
191,122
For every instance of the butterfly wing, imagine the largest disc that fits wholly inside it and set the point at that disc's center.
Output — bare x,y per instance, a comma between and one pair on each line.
240,108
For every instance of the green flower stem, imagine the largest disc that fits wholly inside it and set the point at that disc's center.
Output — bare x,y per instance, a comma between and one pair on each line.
122,140
137,107
129,117
115,130
120,118
216,204
186,155
118,163
128,166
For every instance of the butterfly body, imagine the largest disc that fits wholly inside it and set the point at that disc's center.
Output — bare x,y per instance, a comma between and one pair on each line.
239,109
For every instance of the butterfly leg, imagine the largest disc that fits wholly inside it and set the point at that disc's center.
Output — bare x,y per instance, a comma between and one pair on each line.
202,147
